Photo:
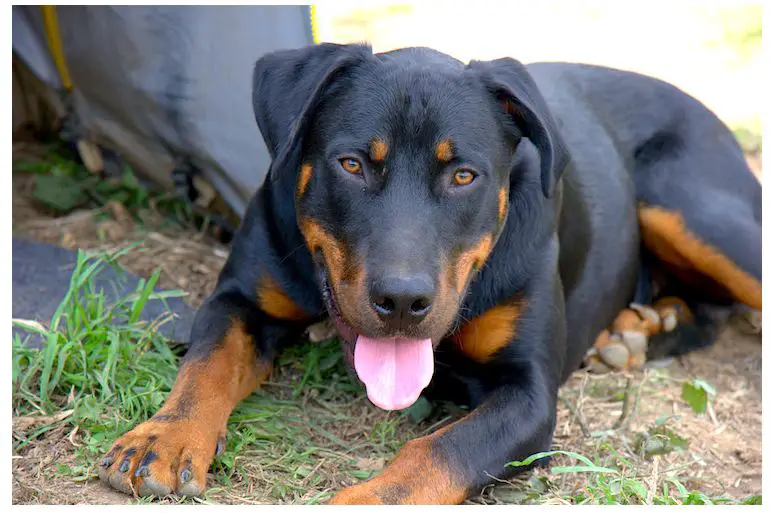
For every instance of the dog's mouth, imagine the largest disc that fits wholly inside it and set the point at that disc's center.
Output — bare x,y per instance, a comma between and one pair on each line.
395,371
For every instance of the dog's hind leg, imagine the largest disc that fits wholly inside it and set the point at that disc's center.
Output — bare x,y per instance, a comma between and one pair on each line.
710,249
700,210
712,255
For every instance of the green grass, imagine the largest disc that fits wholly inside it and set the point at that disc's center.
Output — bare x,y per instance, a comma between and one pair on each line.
99,359
308,432
114,371
613,479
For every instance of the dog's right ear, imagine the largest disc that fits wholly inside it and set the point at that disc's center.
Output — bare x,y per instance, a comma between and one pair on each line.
286,87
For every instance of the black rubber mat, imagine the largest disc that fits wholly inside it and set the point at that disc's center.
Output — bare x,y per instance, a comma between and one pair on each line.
41,277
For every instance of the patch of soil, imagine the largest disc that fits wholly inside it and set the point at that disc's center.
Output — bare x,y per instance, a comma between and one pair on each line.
724,453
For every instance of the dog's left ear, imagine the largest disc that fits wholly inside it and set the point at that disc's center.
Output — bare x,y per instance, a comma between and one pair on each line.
508,80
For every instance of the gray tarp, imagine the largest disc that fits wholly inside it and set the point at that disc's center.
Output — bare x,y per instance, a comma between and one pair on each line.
160,83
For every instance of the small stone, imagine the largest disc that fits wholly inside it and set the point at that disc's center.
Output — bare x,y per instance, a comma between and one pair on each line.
321,331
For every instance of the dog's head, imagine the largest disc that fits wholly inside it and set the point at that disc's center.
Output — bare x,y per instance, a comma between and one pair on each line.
403,166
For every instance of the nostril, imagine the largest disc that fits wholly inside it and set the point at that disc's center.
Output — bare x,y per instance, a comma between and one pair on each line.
402,299
420,307
384,305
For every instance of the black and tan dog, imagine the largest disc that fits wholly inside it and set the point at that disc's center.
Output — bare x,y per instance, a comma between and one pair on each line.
471,230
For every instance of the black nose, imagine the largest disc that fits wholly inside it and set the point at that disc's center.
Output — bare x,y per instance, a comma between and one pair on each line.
403,300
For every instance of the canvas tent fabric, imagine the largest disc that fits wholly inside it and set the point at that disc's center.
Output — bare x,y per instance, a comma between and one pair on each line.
41,275
158,84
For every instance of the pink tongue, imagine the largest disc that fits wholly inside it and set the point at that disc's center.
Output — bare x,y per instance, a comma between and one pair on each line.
394,370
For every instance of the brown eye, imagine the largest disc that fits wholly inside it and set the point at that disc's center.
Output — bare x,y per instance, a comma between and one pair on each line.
463,177
351,166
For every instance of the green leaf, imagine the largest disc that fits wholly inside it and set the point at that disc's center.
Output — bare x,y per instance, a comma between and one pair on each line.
680,487
59,193
128,179
587,467
329,361
700,383
695,393
419,410
660,440
31,167
664,419
633,486
538,484
583,468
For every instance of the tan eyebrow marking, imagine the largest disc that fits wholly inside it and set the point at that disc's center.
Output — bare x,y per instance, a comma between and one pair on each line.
378,149
444,151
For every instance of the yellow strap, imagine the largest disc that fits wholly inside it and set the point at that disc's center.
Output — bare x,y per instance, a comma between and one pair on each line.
54,39
314,25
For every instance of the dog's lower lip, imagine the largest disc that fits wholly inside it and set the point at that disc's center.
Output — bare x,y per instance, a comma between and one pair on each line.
347,335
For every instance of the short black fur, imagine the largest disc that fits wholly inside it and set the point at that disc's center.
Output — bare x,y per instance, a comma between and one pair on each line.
576,148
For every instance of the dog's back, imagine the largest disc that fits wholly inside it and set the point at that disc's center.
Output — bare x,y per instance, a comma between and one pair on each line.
644,117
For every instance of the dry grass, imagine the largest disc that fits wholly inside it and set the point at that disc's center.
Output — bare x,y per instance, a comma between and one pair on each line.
297,444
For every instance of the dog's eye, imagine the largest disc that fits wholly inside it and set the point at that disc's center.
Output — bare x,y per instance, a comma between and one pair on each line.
351,166
463,177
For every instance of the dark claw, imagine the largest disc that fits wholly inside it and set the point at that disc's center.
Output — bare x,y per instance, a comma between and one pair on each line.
110,457
148,458
143,466
125,466
220,445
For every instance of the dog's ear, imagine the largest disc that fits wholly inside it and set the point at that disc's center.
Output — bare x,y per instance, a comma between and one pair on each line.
508,80
286,87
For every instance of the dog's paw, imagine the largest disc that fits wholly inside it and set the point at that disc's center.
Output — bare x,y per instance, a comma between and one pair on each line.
162,457
361,494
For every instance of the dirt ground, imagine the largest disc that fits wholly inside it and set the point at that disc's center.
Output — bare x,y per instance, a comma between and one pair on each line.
724,452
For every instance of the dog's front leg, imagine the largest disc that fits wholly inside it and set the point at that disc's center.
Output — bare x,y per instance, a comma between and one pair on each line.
232,349
449,465
515,420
